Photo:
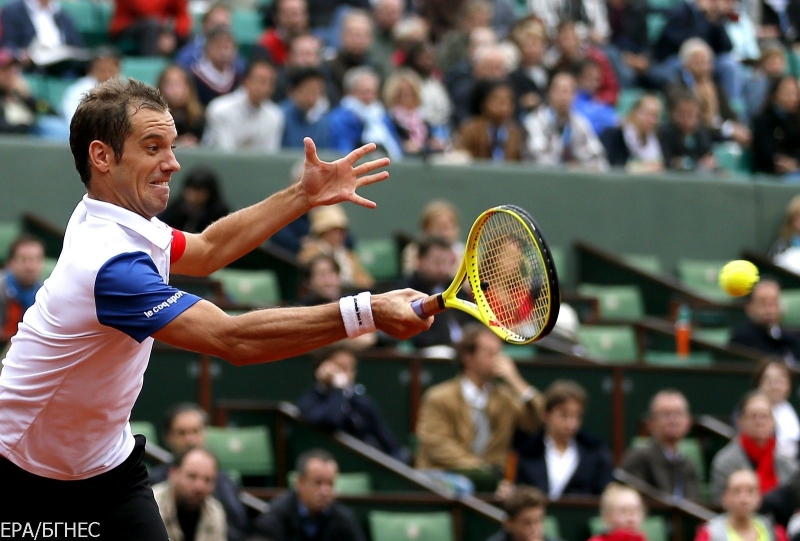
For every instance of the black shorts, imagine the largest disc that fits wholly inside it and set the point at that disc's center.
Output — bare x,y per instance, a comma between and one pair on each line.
117,505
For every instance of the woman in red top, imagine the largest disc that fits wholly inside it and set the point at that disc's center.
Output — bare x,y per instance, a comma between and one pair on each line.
155,27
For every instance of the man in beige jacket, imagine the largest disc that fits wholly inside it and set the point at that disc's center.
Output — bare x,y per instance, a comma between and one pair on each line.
465,425
187,507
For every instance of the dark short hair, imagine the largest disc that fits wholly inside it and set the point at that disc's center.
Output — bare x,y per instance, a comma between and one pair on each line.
469,341
681,96
308,269
177,409
218,31
556,75
180,458
481,92
579,67
323,354
426,244
298,76
523,497
23,239
106,51
104,115
562,391
312,454
254,64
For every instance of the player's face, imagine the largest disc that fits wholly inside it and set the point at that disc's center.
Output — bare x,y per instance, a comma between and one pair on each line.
528,525
742,497
315,488
188,430
27,264
140,179
564,420
194,480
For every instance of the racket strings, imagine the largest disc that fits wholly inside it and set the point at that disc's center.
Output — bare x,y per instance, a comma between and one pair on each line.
512,275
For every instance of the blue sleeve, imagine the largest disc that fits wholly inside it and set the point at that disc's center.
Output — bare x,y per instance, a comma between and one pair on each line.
131,296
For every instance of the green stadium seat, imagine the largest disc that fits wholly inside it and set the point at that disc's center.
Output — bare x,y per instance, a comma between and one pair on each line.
254,288
9,231
702,276
609,343
551,527
52,90
246,450
49,265
662,5
389,526
347,483
82,14
670,358
247,28
655,23
731,158
379,257
560,260
144,69
649,263
146,429
520,353
718,336
619,303
790,307
654,528
627,99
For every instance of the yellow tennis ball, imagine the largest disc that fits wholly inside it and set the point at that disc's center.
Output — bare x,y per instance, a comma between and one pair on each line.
738,277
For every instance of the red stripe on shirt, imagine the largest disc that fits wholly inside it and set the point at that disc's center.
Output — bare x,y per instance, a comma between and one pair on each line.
178,245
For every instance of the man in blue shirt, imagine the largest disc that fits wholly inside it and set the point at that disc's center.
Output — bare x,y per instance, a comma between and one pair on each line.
19,282
306,109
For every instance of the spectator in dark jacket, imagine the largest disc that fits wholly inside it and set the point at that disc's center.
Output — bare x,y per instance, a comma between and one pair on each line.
685,141
629,47
305,111
18,32
635,145
337,402
531,77
199,205
776,131
562,458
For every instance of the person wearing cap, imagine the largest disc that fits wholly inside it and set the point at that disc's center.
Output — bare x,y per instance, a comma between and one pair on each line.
104,66
329,230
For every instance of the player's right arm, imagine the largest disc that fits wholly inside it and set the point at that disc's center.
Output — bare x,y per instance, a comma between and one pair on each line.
278,333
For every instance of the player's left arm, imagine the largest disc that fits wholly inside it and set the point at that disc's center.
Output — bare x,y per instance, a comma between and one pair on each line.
323,183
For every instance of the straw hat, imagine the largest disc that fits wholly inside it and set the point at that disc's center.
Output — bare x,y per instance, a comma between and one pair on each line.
323,219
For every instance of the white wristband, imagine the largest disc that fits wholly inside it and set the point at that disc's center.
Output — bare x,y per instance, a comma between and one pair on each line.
357,314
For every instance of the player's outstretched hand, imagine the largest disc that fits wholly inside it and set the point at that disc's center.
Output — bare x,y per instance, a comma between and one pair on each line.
326,183
393,314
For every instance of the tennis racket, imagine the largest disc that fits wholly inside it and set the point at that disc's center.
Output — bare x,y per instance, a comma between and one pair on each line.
512,276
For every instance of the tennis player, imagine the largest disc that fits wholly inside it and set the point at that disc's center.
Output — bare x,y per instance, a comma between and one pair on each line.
69,465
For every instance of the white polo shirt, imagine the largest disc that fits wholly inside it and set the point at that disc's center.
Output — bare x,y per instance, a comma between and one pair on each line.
76,365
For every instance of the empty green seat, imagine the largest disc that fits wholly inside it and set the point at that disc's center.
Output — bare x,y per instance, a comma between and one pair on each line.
146,429
551,528
718,336
670,358
649,263
560,261
347,483
9,231
655,24
702,276
654,528
522,353
379,257
620,303
52,89
246,26
389,526
790,306
254,288
609,343
143,68
246,450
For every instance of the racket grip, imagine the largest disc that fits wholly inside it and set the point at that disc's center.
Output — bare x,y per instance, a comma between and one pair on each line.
429,306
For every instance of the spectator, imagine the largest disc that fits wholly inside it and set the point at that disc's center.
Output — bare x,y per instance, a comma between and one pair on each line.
783,502
456,43
763,330
635,145
599,114
218,15
461,73
386,14
623,514
531,77
775,381
697,77
740,30
562,458
306,109
660,463
325,14
685,141
184,428
177,87
770,68
489,63
215,74
290,18
436,107
337,402
28,27
589,16
785,250
185,502
559,136
629,47
360,117
329,227
104,66
696,19
356,41
525,509
304,52
410,31
439,218
155,28
310,512
19,281
17,107
402,97
753,448
777,21
199,204
465,425
570,51
492,133
435,263
776,150
247,119
321,280
740,500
